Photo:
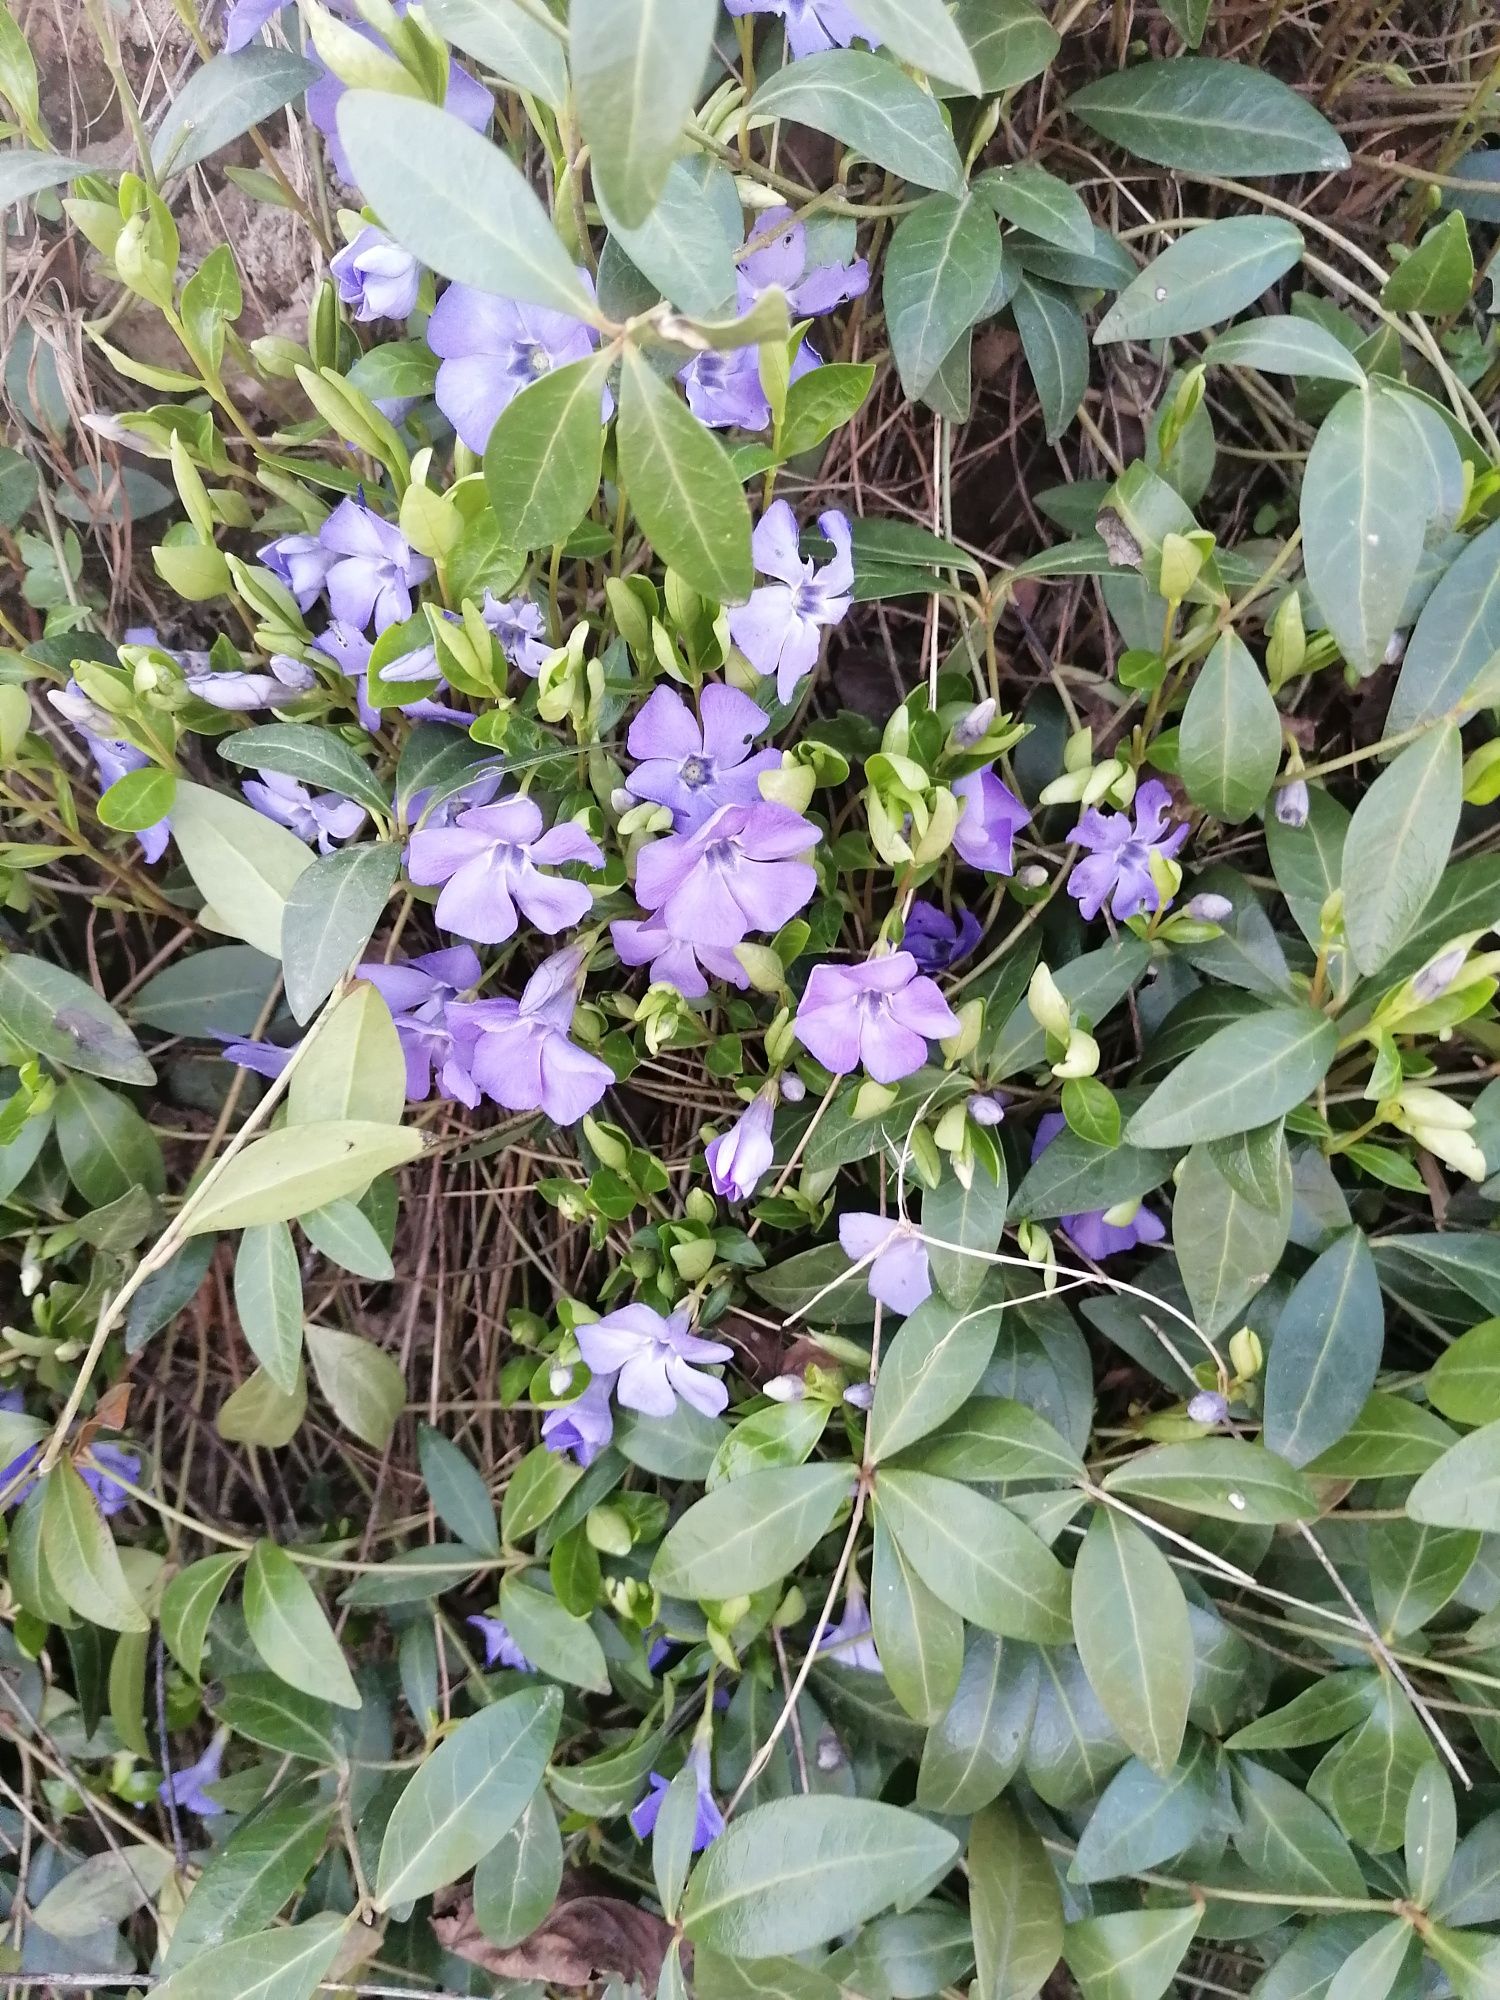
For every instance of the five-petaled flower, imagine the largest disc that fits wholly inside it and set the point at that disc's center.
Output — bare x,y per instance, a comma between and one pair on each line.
989,819
1118,870
584,1426
490,862
654,1361
418,992
374,568
1099,1232
882,1014
740,871
708,1823
695,766
897,1272
937,940
320,816
781,628
490,349
520,1053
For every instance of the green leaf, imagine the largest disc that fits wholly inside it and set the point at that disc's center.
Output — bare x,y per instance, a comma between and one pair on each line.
1206,116
223,989
1431,1834
251,1877
787,1876
243,864
686,246
1130,1621
188,1604
1227,1246
139,799
313,756
516,1883
1225,1478
25,172
818,402
976,1556
941,266
637,66
1327,1709
457,1490
1471,1959
1143,1819
682,486
534,1492
542,463
303,1167
1014,1906
1243,1076
330,915
345,1234
1207,275
274,1965
508,41
62,1018
1464,1381
975,1747
106,1145
1036,201
1438,276
354,1069
972,1218
1056,347
922,34
1132,1955
1229,739
1283,344
992,1438
102,1891
268,1299
933,1366
1287,1841
1327,1351
556,1643
223,99
1092,984
1390,1438
1074,1174
1462,1490
265,1710
1009,40
290,1631
456,202
80,1554
1471,1889
750,1534
780,1434
1451,657
363,1384
467,1795
866,102
919,1639
1398,845
260,1413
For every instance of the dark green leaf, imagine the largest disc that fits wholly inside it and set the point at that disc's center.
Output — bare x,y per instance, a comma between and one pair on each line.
1399,842
751,1533
1326,1353
1229,739
866,102
976,1556
1130,1621
1213,117
223,99
330,914
1209,274
1015,1908
682,486
1241,1077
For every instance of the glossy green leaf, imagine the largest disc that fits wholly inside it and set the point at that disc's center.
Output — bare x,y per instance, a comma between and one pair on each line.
1130,1622
682,486
251,1877
1203,115
1010,40
1225,1478
1015,1908
1283,344
243,864
509,41
457,1490
80,1554
516,1883
266,1710
188,1604
1437,277
103,1891
273,1965
1092,984
364,1384
303,1167
552,1639
314,756
1241,1077
941,266
330,915
923,35
1398,845
933,1366
1034,200
992,1438
106,1145
750,1534
290,1630
975,1747
637,66
872,107
1229,739
1227,1246
24,171
64,1019
223,98
268,1299
1056,349
1289,1842
542,463
976,1556
354,1069
1462,1490
1132,1955
1450,662
1327,1351
919,1639
1209,274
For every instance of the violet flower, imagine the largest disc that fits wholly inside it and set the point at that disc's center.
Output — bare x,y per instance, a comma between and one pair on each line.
374,567
479,791
739,1159
302,563
990,816
811,25
674,961
775,255
466,98
112,756
267,1059
1118,870
709,1823
936,940
350,652
898,1275
724,389
1090,1233
322,816
376,276
519,1052
737,872
245,20
490,348
107,1459
519,626
490,861
1293,803
418,991
186,1787
585,1426
652,1360
240,692
500,1650
850,1641
780,629
694,767
881,1014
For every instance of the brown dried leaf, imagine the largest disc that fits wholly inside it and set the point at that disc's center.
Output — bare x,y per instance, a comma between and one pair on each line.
583,1937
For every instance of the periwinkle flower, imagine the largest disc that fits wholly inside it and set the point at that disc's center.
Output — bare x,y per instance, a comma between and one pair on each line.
245,20
1118,870
881,1014
695,766
775,255
1293,803
811,25
685,963
724,389
739,1159
654,1361
490,862
350,652
466,98
316,816
986,1108
1207,908
490,348
187,1786
898,1274
418,992
850,1641
936,940
374,569
1439,973
240,692
112,756
500,1650
975,726
302,563
376,276
1208,1407
267,1059
739,871
100,1472
1091,1233
708,1824
585,1426
519,626
520,1053
781,627
989,818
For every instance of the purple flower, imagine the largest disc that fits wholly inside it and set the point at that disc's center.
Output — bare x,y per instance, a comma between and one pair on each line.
185,1787
584,1426
490,348
881,1014
350,652
1208,1407
418,992
302,563
1210,909
652,1360
898,1276
988,820
376,276
491,860
739,1159
850,1641
239,693
1090,1233
267,1059
107,1459
519,1053
1118,870
520,630
986,1107
695,767
780,630
374,567
936,940
500,1650
113,757
811,25
323,817
479,791
709,1823
724,388
775,254
467,99
737,872
245,20
675,961
1293,803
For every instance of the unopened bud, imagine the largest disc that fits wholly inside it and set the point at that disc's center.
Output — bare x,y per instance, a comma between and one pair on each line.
1246,1355
986,1109
1208,1407
1292,803
1436,977
560,1381
793,1089
1032,876
785,1389
975,725
1208,909
859,1395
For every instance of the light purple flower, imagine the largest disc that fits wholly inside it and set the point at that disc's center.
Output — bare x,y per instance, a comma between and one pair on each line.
107,1459
376,276
881,1014
988,821
724,389
374,567
1089,1233
491,860
811,25
500,1650
775,254
1439,973
350,652
239,692
186,1787
519,626
1118,870
418,992
674,961
267,1059
737,872
709,1823
780,630
320,816
466,98
986,1107
491,348
1293,803
936,940
898,1276
519,1052
1209,1406
850,1641
302,563
479,791
694,767
739,1159
654,1361
245,20
113,757
585,1426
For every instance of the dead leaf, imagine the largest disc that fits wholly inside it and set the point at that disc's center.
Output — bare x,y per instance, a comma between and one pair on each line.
1123,547
583,1937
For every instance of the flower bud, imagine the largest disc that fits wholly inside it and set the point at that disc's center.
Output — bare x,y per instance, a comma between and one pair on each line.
1049,1009
986,1109
1433,981
560,1380
1292,803
785,1389
1208,1407
1209,909
973,727
1246,1355
859,1395
793,1089
1032,876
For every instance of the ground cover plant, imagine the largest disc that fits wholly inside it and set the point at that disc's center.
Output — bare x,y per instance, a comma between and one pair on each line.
750,1119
